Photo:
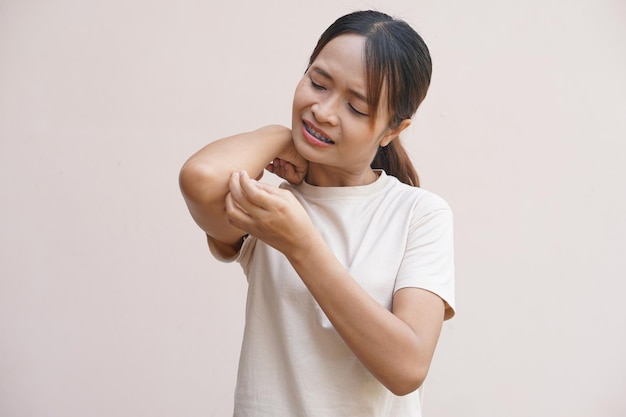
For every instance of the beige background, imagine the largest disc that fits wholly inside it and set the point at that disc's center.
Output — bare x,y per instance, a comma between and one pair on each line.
110,304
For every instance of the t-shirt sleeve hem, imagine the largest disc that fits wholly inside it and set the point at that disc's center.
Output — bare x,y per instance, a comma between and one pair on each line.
221,251
448,300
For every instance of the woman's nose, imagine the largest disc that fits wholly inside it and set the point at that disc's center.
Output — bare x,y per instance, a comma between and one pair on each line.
325,111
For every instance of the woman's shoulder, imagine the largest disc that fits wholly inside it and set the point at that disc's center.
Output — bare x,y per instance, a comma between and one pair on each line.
421,199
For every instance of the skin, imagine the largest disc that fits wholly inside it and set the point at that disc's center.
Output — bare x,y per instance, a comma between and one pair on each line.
220,186
335,105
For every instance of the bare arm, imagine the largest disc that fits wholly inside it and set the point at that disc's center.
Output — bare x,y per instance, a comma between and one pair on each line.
395,346
204,176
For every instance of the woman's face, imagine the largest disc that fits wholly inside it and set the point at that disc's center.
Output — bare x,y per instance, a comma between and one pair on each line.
331,122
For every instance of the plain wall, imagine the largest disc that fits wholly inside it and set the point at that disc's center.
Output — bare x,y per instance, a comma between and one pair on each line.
110,304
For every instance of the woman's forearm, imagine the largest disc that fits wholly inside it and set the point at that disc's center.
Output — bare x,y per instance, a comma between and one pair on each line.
250,151
391,348
204,176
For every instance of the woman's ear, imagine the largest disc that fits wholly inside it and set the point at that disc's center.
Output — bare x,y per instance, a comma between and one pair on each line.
394,133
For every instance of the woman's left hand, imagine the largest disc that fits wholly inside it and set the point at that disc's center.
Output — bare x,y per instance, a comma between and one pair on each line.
289,165
269,213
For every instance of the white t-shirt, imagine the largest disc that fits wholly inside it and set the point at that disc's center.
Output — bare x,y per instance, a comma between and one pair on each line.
293,363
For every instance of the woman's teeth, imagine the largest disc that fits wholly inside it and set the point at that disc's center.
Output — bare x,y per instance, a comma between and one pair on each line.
317,135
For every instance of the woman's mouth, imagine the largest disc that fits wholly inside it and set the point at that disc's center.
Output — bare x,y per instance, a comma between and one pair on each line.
315,134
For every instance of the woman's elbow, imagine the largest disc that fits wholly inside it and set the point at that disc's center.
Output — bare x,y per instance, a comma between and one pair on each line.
195,179
407,382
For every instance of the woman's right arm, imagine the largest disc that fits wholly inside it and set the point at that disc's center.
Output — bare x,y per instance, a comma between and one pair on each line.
205,175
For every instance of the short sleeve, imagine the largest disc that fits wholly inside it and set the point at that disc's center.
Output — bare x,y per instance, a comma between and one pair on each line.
428,262
243,256
221,251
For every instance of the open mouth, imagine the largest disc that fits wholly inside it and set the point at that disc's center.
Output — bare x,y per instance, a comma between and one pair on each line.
316,134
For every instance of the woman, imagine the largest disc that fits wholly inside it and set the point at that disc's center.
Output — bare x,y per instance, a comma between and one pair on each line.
349,264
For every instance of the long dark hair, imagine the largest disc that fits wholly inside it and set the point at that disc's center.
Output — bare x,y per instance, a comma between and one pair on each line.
397,56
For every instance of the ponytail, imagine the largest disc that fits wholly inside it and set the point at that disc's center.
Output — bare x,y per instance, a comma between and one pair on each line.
395,161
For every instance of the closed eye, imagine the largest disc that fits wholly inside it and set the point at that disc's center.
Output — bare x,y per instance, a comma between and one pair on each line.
360,113
352,108
316,86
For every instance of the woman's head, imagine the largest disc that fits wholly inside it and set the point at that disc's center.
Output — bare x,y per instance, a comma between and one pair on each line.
397,63
396,57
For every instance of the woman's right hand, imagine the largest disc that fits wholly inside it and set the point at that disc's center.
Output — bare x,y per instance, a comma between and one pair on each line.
289,165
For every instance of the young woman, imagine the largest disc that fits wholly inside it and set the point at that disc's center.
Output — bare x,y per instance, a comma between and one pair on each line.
349,264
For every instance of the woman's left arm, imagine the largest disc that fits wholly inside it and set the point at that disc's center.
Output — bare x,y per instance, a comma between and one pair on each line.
395,346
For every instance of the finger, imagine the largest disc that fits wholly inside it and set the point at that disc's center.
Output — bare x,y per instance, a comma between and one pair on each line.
274,166
235,214
290,172
254,195
279,169
235,210
238,194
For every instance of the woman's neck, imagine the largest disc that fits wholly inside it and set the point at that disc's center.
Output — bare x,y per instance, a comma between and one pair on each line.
325,176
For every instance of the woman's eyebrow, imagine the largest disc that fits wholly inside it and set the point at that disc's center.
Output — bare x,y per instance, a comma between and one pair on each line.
326,75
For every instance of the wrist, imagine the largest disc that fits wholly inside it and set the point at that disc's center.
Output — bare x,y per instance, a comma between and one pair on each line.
306,248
